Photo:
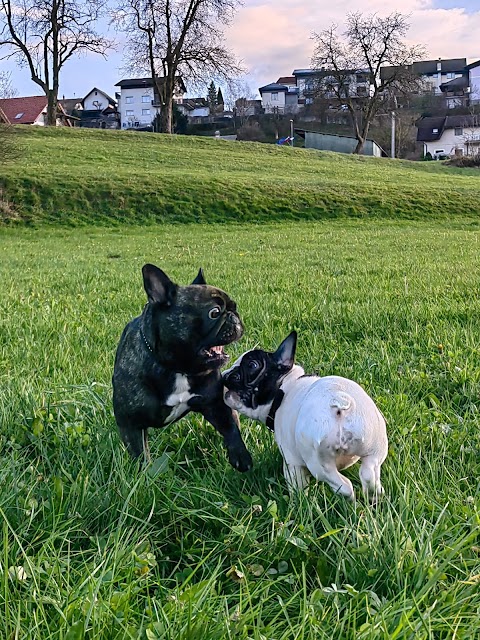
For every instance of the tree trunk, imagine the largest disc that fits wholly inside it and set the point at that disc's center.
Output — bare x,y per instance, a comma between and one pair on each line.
166,118
360,144
52,107
166,107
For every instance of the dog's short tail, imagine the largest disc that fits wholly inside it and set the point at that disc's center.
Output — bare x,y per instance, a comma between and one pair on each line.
342,403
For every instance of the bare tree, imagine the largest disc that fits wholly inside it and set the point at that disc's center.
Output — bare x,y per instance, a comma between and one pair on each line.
471,138
239,98
7,90
176,38
44,34
8,148
349,66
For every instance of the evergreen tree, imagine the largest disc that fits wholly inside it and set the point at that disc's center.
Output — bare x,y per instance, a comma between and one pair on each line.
212,97
220,101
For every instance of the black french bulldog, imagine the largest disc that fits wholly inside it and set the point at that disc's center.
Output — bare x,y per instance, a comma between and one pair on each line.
168,363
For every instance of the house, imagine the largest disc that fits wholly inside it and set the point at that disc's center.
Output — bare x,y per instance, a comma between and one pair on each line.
97,110
289,81
245,107
139,102
434,73
449,135
456,91
279,98
305,80
309,81
194,108
473,71
290,93
338,143
32,110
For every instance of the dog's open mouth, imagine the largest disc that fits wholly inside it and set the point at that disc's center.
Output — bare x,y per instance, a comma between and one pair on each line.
214,353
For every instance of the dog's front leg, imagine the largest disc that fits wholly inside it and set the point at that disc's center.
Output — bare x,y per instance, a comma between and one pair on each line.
226,422
136,442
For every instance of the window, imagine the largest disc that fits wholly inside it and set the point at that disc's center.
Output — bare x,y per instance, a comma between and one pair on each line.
434,130
459,131
129,112
145,112
450,75
129,100
274,96
19,115
146,98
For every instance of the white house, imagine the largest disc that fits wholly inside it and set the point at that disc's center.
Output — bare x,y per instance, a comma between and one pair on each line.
194,108
439,76
449,135
96,110
474,81
139,103
97,100
279,98
437,72
290,93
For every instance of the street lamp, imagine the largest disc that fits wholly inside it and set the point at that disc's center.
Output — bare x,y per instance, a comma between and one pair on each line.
291,133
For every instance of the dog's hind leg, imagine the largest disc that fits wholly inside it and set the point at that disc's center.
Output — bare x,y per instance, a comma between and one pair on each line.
297,476
370,477
328,472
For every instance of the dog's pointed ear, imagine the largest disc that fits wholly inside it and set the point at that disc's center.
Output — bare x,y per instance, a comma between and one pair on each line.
158,286
285,354
200,279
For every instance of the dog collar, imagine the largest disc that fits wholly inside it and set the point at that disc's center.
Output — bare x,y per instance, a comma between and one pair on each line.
277,401
147,344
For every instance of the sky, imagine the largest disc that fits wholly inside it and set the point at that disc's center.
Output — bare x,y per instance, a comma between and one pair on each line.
274,37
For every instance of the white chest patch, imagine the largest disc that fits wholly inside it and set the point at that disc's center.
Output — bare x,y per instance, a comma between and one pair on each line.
178,399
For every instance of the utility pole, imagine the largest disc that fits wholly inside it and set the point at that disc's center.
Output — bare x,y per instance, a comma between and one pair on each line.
291,133
392,154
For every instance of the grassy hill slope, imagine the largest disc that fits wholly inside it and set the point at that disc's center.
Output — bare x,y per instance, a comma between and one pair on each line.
104,177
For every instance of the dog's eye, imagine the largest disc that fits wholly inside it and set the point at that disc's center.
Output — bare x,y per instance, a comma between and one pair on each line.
253,364
214,313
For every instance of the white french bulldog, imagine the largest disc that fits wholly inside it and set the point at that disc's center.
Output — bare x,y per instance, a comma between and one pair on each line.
321,425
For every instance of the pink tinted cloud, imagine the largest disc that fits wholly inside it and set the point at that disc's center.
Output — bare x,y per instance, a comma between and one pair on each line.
273,38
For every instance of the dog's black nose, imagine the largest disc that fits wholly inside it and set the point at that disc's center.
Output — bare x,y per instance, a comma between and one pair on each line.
231,378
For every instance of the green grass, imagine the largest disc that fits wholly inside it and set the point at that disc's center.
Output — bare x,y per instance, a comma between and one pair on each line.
84,177
190,549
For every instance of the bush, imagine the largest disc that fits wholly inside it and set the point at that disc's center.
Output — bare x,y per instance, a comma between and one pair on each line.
468,162
208,128
251,132
8,147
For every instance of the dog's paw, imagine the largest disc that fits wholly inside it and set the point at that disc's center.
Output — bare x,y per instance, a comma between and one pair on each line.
240,459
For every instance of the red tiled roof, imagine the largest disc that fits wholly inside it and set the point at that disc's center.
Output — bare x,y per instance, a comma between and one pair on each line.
31,107
287,80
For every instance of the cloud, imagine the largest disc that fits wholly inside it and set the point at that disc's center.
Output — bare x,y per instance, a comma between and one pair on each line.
274,38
